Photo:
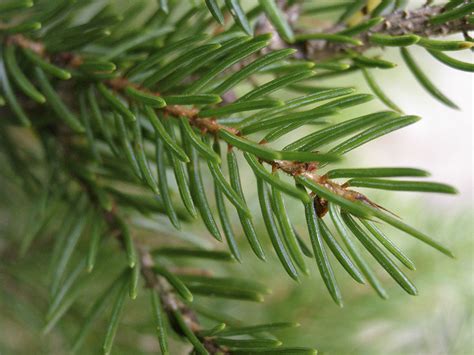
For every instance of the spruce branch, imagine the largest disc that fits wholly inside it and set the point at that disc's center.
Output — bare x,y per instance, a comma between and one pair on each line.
157,283
107,101
205,125
399,23
210,125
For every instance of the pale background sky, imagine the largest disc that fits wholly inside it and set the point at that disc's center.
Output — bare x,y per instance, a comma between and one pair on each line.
442,142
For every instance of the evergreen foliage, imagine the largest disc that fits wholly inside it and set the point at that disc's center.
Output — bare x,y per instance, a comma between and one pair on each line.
116,114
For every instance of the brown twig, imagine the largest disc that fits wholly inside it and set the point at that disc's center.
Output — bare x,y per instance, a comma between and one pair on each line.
398,23
208,125
211,126
170,301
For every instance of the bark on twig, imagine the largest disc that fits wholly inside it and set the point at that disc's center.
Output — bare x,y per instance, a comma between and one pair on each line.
399,23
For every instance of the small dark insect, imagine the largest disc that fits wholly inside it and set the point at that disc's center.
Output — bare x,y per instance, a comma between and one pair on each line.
320,206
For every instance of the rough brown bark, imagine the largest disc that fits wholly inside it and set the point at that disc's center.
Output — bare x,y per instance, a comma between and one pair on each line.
399,23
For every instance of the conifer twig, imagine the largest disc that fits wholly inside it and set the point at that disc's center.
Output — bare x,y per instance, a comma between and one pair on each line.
205,125
398,23
171,302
